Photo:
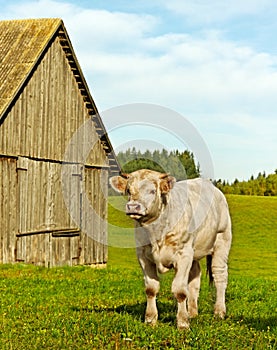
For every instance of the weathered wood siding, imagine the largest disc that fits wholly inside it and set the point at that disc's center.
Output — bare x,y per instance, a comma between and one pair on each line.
8,209
94,217
40,197
47,235
36,226
48,249
48,112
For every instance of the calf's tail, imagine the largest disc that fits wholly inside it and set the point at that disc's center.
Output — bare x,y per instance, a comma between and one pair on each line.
209,259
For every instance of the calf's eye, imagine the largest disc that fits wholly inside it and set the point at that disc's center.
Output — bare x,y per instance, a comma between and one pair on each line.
153,192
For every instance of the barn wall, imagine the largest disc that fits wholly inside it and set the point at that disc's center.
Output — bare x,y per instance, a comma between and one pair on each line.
47,235
36,226
8,209
47,113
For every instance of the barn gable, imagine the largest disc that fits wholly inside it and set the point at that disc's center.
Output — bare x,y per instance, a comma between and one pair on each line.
44,100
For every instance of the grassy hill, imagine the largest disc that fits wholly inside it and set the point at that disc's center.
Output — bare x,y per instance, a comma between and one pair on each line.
254,246
83,308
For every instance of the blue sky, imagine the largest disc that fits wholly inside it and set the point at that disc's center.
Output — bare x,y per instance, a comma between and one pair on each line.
213,62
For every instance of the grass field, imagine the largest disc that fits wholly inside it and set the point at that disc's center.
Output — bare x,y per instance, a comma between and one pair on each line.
84,308
254,247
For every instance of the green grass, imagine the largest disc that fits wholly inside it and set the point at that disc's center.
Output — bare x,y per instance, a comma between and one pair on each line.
121,227
254,248
85,308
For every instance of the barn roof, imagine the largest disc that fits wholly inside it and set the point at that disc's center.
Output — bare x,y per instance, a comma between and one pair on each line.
23,44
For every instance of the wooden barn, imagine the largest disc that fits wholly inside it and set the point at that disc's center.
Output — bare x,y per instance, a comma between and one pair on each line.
44,100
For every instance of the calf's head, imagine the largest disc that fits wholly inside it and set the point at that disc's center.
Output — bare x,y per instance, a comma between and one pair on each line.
147,192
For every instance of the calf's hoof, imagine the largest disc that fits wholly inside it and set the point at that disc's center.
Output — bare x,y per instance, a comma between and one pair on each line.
151,320
183,325
193,312
219,313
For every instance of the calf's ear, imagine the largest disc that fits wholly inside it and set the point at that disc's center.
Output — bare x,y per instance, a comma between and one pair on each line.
167,183
118,183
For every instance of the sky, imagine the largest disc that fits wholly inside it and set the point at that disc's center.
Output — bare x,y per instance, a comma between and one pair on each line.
212,63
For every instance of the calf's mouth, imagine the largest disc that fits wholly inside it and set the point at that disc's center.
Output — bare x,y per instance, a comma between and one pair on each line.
134,215
135,210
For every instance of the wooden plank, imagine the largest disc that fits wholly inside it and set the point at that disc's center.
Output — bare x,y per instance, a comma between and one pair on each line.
88,218
8,210
2,214
96,204
104,209
59,232
22,167
94,227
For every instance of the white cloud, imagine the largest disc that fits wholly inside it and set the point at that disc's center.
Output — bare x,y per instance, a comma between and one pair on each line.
188,72
122,49
126,59
90,27
217,11
112,31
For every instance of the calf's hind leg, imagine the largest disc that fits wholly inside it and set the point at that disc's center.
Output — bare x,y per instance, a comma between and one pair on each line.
220,271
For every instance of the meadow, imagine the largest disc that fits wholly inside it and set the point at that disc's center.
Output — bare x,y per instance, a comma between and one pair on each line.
85,308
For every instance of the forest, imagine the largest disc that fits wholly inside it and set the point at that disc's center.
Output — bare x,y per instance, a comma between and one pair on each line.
182,165
179,164
262,185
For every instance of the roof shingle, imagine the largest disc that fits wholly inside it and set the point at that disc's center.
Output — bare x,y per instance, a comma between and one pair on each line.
21,43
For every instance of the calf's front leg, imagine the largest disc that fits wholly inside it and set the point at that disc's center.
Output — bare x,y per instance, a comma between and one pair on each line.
180,288
152,286
151,313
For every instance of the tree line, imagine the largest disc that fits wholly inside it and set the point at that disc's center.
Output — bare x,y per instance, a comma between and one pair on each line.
181,165
262,185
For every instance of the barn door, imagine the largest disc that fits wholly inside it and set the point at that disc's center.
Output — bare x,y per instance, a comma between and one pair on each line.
47,234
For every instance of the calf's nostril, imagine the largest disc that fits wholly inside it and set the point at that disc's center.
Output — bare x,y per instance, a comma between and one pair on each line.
133,208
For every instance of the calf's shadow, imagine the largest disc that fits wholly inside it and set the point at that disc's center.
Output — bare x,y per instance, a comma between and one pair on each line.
167,311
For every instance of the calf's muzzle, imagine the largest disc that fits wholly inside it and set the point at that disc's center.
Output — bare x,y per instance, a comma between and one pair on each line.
133,208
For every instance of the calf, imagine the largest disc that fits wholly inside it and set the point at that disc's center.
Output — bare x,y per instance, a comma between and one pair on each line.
177,224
